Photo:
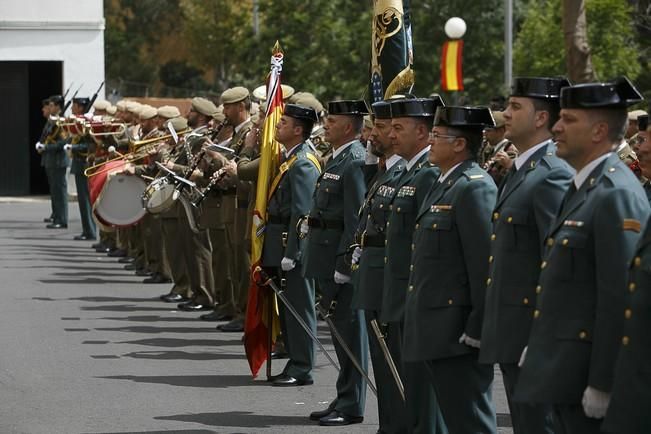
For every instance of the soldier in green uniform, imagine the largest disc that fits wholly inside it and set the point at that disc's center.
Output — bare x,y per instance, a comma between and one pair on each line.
291,199
79,148
527,203
56,162
411,123
577,323
368,279
628,410
332,223
236,215
194,241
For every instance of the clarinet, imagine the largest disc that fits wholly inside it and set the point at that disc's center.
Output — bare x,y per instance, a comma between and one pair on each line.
201,194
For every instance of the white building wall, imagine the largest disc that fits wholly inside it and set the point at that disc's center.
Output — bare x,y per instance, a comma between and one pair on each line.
71,31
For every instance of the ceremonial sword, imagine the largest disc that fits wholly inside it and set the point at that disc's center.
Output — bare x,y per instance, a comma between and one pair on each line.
326,316
387,356
267,281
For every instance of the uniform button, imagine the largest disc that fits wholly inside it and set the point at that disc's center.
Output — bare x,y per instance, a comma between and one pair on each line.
582,334
637,261
550,241
536,313
631,287
411,288
387,224
488,281
450,301
625,340
490,259
411,267
510,219
543,265
327,190
413,246
538,289
391,207
386,242
386,259
381,205
496,215
398,209
628,313
525,300
565,241
493,236
417,225
434,226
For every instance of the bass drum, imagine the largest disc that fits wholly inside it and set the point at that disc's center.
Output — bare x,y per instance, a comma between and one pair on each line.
119,204
159,196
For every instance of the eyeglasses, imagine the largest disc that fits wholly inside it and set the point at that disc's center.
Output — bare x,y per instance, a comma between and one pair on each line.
434,136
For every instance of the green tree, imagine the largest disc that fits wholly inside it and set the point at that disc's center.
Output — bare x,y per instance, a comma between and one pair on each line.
539,46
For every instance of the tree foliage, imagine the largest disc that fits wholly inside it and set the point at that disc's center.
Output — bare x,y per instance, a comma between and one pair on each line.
212,43
539,46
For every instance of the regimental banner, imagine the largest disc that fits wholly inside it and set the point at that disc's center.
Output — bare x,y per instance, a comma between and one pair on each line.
451,71
257,328
392,52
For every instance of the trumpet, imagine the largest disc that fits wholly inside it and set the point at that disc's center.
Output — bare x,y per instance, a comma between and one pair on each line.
101,129
140,149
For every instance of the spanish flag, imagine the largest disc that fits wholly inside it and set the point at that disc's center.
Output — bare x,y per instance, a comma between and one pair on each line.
451,73
261,300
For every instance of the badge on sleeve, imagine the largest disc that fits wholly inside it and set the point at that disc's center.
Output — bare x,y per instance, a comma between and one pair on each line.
632,225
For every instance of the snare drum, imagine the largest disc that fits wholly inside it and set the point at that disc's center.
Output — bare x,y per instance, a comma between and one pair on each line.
119,204
159,196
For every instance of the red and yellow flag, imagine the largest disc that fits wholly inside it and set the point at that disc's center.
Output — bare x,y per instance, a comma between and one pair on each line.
451,72
261,299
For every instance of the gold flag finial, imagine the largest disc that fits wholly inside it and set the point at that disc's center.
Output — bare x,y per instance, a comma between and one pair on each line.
277,49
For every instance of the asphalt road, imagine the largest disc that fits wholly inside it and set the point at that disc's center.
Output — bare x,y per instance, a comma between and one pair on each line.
86,348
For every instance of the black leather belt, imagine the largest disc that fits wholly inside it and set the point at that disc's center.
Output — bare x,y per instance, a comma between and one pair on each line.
278,220
325,224
372,240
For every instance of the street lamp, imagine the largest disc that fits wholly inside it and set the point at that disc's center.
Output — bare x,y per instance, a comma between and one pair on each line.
452,56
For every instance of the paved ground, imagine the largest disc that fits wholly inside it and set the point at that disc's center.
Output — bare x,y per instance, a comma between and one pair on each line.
86,348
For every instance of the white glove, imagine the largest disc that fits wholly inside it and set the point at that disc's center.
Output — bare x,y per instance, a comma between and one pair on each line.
304,229
370,158
67,147
111,149
39,146
523,357
595,402
465,339
287,264
341,278
357,253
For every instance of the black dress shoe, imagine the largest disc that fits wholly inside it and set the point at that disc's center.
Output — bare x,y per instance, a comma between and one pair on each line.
279,355
192,306
143,272
102,249
97,245
83,237
289,381
126,260
57,226
173,298
48,220
117,253
317,415
130,267
337,418
237,325
156,278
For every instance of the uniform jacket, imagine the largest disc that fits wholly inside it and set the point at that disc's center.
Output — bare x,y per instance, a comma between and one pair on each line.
79,154
524,213
53,155
409,192
445,296
630,400
291,200
578,319
338,196
369,277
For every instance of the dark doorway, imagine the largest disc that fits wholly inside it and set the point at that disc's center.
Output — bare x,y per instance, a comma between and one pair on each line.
23,85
